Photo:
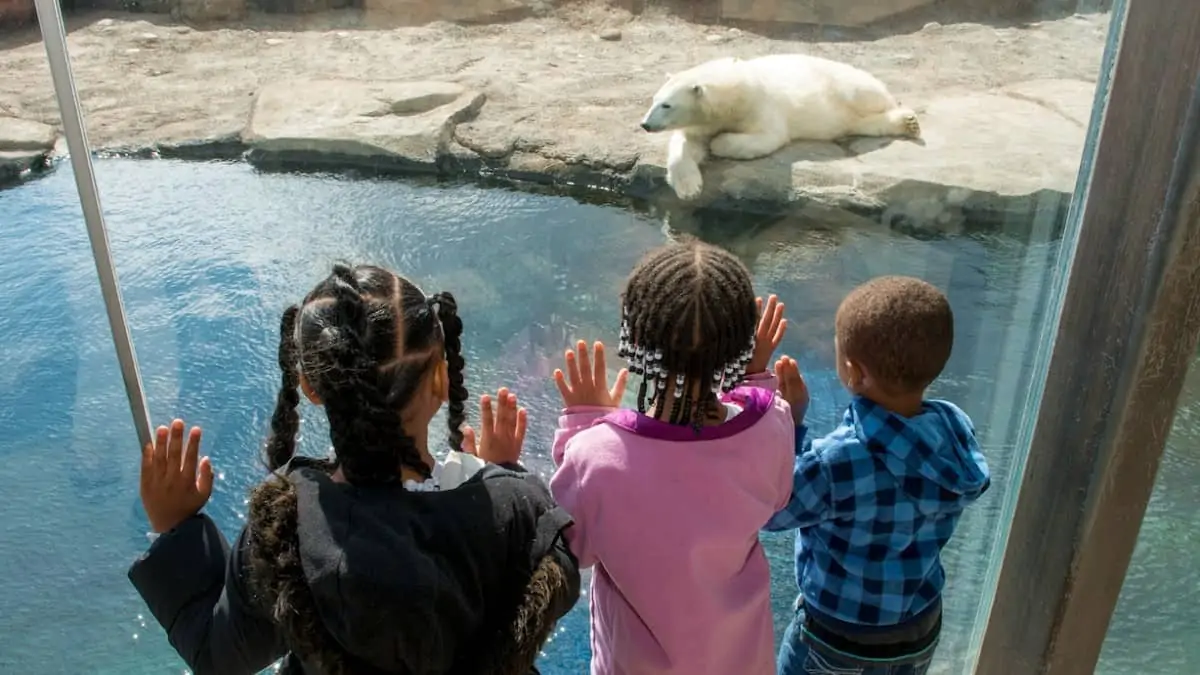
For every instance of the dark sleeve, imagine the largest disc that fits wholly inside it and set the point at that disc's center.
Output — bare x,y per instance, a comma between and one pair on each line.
195,586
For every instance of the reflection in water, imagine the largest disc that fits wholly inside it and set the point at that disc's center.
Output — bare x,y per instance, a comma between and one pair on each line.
209,254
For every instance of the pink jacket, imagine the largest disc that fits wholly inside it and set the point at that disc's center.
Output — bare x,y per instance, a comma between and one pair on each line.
670,521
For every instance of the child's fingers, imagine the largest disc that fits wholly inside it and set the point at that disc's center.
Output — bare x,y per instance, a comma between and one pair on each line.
468,442
780,331
191,453
506,412
175,446
522,424
161,436
486,420
204,481
147,473
585,361
573,368
560,381
599,373
758,307
618,389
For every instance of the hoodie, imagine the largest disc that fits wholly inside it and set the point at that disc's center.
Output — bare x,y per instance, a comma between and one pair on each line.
875,501
413,583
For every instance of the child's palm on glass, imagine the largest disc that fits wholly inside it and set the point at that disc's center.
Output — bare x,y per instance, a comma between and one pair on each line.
586,380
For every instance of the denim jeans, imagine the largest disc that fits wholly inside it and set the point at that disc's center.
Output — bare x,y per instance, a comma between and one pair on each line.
798,657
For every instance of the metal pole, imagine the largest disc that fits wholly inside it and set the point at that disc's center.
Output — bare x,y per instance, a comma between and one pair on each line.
54,37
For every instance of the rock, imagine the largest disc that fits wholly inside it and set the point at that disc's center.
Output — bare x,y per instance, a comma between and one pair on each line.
980,153
377,124
716,38
424,11
1071,98
208,10
931,26
24,145
272,42
610,34
823,12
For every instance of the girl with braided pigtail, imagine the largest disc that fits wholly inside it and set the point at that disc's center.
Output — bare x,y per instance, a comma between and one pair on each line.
377,560
668,499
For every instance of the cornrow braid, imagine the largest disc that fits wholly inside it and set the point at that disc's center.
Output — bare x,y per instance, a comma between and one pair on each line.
688,325
452,329
285,421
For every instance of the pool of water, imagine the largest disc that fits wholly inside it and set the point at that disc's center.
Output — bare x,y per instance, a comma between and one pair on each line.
209,254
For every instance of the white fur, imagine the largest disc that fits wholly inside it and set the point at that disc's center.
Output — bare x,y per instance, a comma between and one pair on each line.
746,109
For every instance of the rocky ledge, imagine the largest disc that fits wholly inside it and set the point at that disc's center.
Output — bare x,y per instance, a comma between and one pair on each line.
984,153
25,146
556,100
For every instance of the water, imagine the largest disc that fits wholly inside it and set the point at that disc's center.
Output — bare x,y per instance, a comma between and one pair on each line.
209,254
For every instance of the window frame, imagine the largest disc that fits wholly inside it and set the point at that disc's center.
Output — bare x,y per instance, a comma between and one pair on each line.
1126,331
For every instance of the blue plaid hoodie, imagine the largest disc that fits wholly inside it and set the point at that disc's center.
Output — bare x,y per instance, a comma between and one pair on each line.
875,501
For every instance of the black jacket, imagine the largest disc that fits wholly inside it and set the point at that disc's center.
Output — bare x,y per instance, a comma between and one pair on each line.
405,582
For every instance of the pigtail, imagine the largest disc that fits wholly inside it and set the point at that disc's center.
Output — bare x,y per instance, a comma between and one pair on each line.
518,650
285,421
363,421
452,329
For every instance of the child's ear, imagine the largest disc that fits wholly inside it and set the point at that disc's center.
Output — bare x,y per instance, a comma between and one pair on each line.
441,380
309,392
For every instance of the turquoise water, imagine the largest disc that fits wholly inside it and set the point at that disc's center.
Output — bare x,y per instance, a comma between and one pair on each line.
209,254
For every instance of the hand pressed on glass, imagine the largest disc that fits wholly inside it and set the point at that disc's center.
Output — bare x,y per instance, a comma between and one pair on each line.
586,381
501,434
175,482
792,387
771,328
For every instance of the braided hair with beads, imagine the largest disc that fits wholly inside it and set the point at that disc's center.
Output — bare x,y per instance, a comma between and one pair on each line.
363,339
688,324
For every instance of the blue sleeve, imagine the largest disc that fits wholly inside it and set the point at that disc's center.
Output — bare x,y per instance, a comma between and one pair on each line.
194,583
810,502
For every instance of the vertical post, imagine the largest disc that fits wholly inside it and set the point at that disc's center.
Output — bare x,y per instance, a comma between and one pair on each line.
54,37
1128,328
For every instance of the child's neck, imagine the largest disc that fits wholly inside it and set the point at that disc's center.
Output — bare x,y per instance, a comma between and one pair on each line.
716,412
904,405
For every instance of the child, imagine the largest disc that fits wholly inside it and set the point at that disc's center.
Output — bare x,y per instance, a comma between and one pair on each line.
668,500
360,563
877,499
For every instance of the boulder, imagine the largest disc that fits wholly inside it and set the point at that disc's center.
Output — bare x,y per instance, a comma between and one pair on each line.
24,145
368,124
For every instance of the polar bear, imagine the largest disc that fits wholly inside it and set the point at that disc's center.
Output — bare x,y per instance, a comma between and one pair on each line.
749,108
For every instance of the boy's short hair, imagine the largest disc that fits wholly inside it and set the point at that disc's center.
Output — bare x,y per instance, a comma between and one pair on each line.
899,329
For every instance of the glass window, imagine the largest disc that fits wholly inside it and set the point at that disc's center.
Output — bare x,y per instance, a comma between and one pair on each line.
1152,630
255,141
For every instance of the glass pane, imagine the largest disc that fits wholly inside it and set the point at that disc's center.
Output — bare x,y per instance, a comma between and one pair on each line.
255,142
1152,630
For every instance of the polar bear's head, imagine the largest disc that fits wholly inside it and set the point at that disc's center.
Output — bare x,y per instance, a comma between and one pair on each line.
692,98
675,106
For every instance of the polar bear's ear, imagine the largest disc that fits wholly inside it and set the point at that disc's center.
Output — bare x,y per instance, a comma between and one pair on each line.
697,89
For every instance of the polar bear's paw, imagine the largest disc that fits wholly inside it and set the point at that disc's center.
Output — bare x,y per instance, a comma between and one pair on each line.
686,180
910,124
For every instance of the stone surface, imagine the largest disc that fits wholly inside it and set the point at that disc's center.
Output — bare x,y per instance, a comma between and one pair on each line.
24,145
410,123
207,10
825,12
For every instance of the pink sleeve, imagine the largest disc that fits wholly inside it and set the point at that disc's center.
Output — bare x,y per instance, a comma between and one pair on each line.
571,422
569,487
764,380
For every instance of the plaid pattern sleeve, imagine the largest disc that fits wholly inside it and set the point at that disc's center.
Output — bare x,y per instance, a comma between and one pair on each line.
876,501
810,489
